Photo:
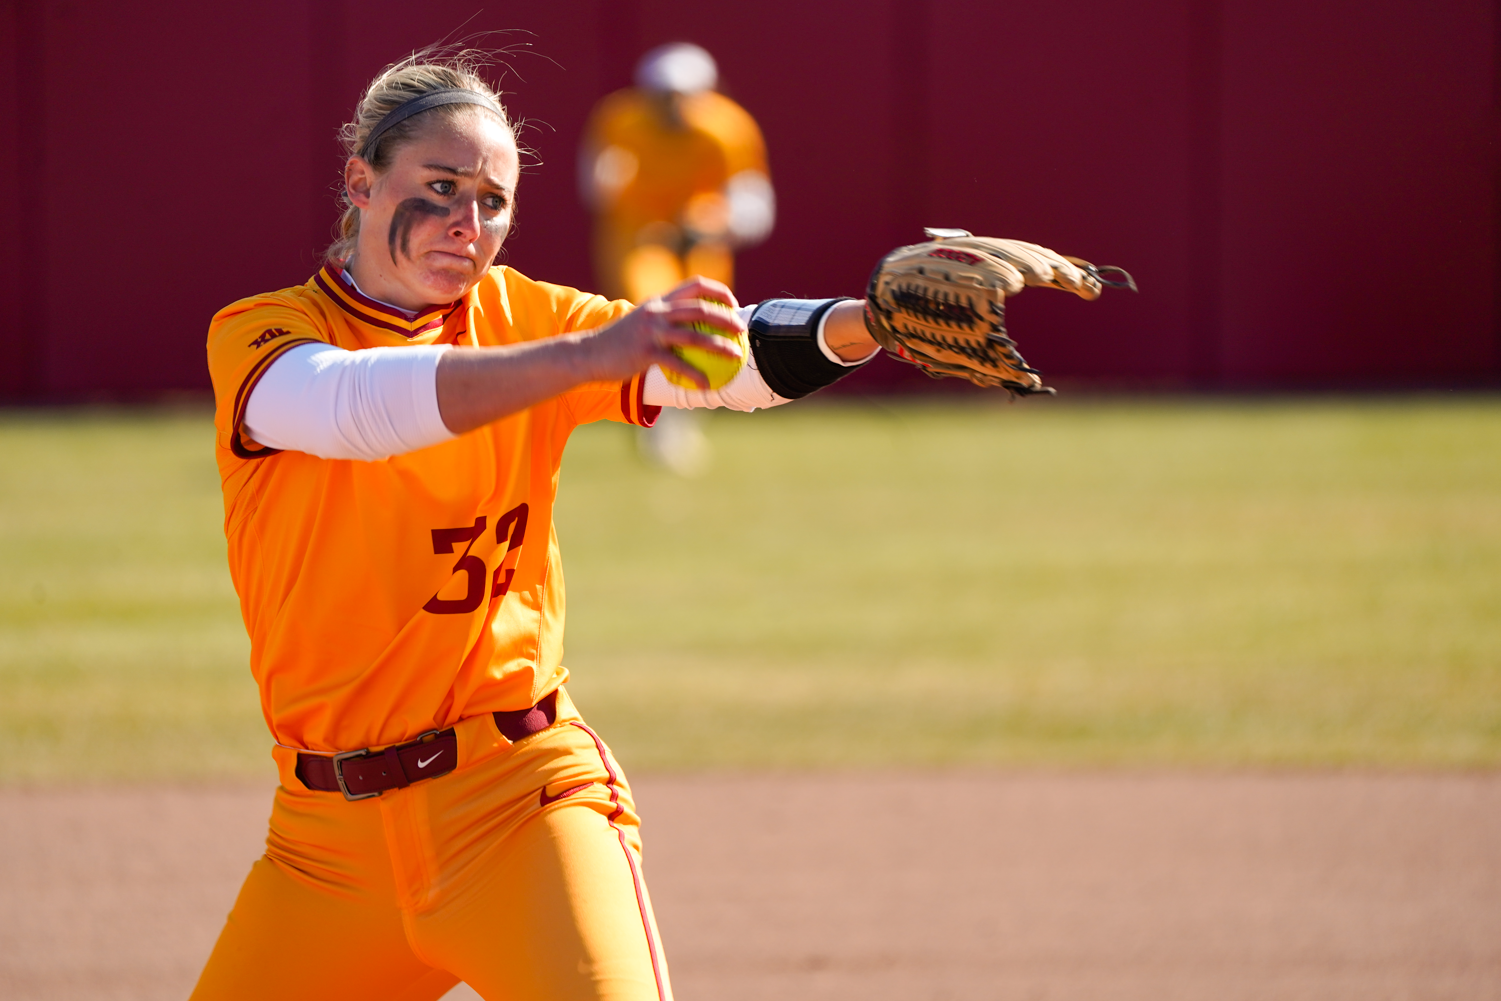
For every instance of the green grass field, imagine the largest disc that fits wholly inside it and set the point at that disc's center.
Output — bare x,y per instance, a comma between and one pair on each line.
1175,582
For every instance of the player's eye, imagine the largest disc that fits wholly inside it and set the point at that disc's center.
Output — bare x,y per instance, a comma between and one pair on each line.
444,188
495,203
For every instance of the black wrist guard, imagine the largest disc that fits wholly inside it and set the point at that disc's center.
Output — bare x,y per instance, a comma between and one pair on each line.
783,337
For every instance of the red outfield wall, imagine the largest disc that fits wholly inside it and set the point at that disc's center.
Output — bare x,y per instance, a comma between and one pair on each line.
1306,192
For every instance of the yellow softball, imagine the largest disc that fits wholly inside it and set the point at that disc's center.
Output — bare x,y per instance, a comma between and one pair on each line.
718,368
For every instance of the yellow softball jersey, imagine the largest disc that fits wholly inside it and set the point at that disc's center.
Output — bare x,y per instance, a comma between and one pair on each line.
384,599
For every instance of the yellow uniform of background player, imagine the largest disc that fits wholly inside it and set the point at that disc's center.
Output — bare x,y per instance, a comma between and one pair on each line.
676,175
389,437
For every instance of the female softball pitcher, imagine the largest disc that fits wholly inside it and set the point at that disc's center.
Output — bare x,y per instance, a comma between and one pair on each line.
389,437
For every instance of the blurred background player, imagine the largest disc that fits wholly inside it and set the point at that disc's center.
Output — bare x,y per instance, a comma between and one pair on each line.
676,175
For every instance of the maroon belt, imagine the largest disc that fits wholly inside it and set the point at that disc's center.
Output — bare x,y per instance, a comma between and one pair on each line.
363,774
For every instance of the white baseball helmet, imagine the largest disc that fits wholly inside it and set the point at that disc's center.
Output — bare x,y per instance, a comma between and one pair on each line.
678,68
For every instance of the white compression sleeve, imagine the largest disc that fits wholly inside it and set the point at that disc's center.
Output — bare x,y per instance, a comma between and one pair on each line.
338,404
747,391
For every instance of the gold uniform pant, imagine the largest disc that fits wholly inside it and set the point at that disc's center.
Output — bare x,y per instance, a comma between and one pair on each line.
519,873
632,266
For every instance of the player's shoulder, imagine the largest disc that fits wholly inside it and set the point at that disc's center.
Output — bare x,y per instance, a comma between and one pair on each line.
520,285
300,303
250,333
624,118
534,304
622,104
714,112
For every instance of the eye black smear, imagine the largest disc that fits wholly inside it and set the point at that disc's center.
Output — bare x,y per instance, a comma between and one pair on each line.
405,217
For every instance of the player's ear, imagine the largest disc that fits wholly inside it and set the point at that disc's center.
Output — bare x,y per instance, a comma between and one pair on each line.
359,178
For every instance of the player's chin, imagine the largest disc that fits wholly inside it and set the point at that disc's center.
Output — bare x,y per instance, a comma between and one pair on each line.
448,276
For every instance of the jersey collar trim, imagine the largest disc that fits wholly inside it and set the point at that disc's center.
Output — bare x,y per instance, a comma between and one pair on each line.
378,314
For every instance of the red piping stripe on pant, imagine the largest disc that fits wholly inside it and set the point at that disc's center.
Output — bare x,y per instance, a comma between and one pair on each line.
651,939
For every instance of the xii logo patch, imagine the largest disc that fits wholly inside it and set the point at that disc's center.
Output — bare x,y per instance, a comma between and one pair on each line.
267,336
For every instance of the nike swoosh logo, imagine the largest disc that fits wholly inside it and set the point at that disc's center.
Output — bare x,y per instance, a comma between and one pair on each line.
546,799
424,764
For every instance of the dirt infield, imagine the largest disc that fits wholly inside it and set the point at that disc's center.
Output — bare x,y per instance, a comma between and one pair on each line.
913,886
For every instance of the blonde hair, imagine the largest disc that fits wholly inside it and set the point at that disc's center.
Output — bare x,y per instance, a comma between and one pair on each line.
424,71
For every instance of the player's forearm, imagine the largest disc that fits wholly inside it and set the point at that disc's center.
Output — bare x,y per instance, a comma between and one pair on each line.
845,334
480,385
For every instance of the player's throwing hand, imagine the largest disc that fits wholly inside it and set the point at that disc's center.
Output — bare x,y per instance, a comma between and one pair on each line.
646,335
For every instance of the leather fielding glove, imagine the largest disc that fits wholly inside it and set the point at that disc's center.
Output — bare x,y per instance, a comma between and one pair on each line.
941,305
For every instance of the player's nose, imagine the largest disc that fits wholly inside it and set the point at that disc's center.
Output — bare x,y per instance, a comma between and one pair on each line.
466,221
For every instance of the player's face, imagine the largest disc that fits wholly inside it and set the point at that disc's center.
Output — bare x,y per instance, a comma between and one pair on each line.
434,220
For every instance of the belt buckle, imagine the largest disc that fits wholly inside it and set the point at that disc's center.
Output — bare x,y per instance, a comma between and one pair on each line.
339,760
344,756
